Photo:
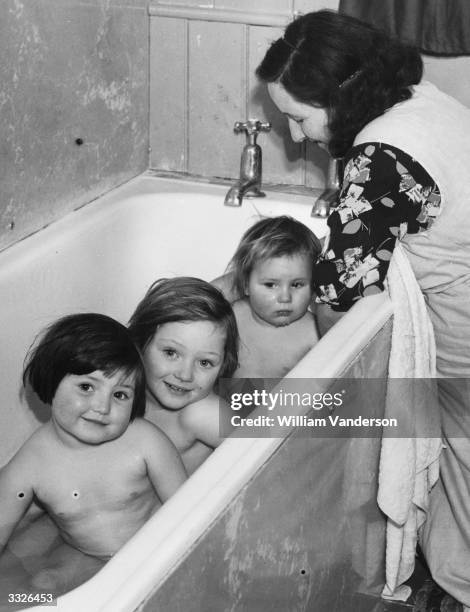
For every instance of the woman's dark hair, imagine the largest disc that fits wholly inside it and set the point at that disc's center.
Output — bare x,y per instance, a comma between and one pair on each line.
267,238
185,298
80,344
337,62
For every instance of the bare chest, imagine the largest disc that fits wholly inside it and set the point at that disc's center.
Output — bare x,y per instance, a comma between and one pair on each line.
71,487
270,352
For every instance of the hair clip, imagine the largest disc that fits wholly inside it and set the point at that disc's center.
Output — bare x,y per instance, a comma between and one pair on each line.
350,78
290,45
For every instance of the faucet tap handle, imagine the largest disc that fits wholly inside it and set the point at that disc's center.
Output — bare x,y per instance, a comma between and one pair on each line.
252,127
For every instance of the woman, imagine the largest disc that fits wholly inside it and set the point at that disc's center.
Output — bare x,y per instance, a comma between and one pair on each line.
406,147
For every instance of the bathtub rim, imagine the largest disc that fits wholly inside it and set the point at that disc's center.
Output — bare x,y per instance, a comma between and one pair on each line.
146,184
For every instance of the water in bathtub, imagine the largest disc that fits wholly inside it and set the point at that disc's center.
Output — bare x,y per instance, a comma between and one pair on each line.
96,468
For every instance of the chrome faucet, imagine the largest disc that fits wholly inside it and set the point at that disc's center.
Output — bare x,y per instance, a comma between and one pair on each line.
328,199
249,183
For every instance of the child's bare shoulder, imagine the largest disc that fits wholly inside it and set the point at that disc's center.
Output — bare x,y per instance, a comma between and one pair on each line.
308,323
224,284
201,419
141,430
35,446
241,307
201,408
29,460
149,440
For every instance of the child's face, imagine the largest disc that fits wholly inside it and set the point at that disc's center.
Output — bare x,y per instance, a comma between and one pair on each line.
93,408
279,289
183,360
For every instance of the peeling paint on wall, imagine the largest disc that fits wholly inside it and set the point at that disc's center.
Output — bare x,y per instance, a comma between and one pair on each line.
73,106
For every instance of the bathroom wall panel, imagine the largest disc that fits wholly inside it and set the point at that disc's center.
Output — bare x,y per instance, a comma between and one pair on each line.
192,3
168,94
69,71
316,165
305,6
450,74
216,96
220,57
261,6
282,158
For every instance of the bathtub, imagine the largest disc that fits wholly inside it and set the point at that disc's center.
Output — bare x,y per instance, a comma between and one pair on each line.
285,523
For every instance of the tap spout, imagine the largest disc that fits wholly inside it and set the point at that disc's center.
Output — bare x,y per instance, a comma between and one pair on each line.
248,188
324,203
249,183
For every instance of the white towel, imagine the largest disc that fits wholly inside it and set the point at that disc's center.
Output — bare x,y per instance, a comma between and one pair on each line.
408,466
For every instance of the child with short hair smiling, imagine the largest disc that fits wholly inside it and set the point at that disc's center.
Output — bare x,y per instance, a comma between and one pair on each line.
272,272
98,469
188,336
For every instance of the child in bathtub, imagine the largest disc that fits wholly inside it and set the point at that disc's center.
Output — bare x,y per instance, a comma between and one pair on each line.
97,468
187,333
271,271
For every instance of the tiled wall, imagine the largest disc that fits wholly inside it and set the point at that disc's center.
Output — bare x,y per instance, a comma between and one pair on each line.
202,63
69,70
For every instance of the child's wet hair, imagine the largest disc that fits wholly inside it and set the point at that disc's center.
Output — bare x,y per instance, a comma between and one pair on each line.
271,237
80,344
185,298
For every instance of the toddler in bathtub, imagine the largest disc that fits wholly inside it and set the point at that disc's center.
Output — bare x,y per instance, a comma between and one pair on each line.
97,468
187,333
271,273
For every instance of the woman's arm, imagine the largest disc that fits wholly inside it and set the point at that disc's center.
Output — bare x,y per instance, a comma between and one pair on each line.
385,195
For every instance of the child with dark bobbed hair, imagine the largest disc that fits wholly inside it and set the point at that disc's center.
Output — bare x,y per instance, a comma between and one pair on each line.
80,344
188,336
271,273
98,468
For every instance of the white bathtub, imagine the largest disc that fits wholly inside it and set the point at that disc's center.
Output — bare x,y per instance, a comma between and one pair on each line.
102,258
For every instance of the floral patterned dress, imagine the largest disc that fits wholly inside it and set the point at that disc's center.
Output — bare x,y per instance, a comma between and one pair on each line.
385,194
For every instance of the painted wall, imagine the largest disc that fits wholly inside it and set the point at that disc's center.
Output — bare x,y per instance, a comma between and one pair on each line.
202,81
78,69
203,58
69,70
450,74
